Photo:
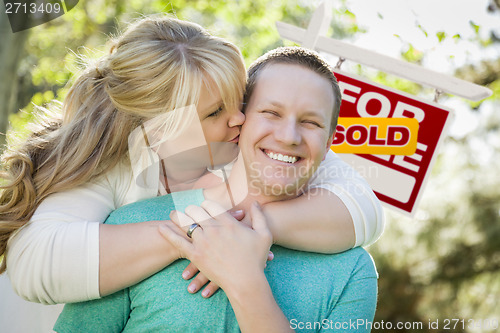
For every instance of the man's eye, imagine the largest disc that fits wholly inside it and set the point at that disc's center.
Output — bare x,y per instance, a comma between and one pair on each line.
312,123
216,112
273,113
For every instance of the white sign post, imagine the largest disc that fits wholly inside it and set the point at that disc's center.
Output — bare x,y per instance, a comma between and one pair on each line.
314,38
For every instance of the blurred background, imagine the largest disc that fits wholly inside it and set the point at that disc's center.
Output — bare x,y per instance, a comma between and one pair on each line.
444,263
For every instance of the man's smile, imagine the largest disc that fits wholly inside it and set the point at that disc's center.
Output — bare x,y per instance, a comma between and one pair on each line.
282,157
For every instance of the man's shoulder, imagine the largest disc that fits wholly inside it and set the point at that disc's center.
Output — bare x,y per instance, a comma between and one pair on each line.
156,208
351,254
319,281
357,261
106,314
140,211
353,261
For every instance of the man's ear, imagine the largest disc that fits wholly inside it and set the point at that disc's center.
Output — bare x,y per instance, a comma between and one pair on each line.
329,144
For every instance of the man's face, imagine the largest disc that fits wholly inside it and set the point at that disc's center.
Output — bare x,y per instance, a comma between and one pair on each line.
286,133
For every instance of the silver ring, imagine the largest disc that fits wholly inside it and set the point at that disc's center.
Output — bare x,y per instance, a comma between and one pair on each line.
192,227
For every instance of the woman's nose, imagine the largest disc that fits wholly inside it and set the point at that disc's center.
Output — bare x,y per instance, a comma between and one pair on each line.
237,118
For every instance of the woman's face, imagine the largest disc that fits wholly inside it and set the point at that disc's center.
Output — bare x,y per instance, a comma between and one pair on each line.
208,139
219,123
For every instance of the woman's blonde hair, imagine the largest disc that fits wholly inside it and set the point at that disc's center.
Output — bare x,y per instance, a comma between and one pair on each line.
158,64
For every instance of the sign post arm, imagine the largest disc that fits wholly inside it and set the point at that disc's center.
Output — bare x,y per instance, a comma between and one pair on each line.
418,74
318,25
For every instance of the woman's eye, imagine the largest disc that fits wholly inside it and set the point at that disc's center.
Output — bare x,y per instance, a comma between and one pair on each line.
216,112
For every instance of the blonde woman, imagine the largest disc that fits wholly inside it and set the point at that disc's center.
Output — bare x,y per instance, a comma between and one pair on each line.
62,183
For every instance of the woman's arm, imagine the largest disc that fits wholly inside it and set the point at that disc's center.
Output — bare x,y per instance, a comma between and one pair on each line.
65,254
130,253
59,258
317,221
338,211
233,256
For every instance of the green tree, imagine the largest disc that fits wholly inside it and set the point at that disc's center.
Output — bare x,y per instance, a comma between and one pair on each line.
11,52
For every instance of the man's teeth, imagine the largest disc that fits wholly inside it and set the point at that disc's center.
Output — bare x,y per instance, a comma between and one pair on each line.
282,158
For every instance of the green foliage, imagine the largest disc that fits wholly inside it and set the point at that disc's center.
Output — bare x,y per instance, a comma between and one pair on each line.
344,24
474,26
441,35
423,30
411,54
18,122
484,42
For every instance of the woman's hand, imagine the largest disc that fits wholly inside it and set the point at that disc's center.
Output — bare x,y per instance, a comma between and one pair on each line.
226,251
201,280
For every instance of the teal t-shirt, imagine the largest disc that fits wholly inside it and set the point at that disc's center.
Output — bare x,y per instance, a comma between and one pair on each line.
317,292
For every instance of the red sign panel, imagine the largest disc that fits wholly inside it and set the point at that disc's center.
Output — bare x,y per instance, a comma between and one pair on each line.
397,180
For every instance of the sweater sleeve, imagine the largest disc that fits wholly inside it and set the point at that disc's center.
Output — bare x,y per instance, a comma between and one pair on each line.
341,179
55,257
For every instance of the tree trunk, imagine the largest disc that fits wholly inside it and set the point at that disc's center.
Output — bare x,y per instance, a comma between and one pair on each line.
11,52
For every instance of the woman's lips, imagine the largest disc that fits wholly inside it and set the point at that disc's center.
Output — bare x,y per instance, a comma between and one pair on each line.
235,139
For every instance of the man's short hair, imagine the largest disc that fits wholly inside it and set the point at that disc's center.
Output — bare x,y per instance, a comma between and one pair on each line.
296,56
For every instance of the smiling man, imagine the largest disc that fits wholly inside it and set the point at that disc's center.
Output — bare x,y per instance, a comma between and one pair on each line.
291,111
291,115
